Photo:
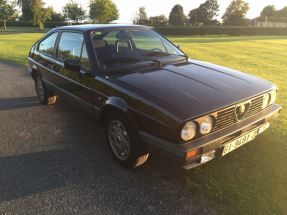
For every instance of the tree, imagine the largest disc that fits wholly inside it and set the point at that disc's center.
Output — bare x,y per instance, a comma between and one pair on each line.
56,17
103,11
282,12
176,16
235,13
193,16
158,20
204,13
140,17
26,6
7,11
268,11
41,14
75,11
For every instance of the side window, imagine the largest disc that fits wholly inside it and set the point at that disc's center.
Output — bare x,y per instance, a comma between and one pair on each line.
85,59
47,45
70,46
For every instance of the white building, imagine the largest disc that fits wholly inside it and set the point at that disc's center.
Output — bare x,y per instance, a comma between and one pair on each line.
268,22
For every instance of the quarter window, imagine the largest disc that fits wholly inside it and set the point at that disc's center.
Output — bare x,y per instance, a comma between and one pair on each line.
47,45
70,46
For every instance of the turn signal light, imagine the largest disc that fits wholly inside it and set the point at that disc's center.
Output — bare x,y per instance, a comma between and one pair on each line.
277,112
193,153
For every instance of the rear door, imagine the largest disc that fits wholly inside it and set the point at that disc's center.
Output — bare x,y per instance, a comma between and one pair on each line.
42,58
74,87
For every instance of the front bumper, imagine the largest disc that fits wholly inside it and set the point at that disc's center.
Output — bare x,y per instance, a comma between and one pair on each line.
175,154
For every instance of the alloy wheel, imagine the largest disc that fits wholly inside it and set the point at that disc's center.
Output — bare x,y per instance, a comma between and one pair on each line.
119,139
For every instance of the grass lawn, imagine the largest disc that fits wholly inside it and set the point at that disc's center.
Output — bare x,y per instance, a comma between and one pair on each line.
253,178
16,47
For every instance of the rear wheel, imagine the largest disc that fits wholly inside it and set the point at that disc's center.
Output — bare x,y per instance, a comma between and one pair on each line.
123,141
46,97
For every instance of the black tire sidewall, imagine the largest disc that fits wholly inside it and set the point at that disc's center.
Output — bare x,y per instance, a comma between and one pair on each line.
133,138
45,100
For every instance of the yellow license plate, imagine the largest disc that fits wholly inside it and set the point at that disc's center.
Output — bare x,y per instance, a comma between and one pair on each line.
239,142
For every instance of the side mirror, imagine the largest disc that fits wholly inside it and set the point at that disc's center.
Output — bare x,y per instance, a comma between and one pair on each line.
73,65
179,47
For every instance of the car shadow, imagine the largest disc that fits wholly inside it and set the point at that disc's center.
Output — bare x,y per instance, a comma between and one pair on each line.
65,155
18,103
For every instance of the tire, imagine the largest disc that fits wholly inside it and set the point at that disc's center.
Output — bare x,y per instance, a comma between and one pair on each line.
123,141
45,96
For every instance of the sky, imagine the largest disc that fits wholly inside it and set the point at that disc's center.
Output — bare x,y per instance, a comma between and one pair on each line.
156,7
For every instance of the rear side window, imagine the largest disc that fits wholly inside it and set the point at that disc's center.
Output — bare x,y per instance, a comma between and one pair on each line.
70,46
47,45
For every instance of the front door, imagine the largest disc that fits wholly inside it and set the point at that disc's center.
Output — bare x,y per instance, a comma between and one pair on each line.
72,86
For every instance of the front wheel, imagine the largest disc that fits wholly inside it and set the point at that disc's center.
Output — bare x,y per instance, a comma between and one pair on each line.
46,97
123,141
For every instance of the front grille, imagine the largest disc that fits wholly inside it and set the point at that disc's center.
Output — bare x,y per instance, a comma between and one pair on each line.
227,118
255,106
224,119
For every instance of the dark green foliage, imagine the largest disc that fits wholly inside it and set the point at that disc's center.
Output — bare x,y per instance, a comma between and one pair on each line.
26,6
235,13
176,16
103,11
75,11
158,20
230,31
56,17
140,17
8,11
41,14
27,14
176,19
268,11
204,13
282,12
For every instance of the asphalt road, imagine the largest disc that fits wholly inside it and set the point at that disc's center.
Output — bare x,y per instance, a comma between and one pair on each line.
54,160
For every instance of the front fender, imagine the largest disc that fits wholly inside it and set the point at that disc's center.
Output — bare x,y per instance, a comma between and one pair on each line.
117,104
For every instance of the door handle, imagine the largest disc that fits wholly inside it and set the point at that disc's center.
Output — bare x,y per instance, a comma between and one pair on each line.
55,68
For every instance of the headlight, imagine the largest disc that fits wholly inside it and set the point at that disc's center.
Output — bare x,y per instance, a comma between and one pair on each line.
206,125
273,97
188,131
266,100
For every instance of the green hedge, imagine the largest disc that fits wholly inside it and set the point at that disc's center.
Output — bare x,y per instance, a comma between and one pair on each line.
183,30
248,31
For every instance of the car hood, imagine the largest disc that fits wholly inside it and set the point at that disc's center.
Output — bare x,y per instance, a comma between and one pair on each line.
196,88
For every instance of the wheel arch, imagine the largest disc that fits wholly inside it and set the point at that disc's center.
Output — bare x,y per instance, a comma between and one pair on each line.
119,105
33,73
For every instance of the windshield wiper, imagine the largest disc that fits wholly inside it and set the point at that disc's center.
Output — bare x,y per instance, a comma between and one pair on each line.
122,60
163,54
126,60
156,53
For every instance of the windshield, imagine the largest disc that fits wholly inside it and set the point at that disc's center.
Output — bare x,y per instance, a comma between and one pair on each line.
121,49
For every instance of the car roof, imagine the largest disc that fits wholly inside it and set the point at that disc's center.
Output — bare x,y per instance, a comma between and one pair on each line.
93,27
